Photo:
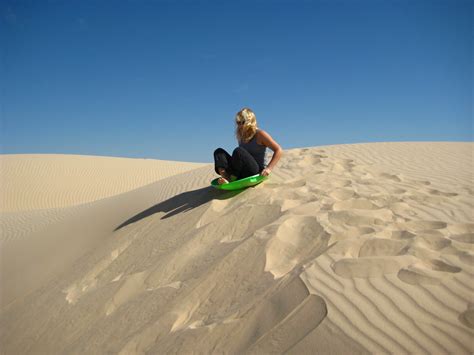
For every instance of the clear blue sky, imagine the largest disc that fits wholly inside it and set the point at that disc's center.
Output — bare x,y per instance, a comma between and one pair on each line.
164,79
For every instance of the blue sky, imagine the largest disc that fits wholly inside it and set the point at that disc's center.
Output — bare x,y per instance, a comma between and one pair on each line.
163,79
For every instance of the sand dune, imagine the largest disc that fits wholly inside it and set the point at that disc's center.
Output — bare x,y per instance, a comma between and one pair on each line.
43,181
364,248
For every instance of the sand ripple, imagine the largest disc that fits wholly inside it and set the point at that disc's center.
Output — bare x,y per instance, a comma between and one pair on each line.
345,249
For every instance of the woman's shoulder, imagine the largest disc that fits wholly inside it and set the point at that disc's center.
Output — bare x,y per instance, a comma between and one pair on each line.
259,134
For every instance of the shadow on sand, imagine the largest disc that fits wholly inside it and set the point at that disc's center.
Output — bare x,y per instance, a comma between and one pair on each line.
181,203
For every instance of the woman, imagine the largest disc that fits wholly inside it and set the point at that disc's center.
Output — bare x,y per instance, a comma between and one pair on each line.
248,158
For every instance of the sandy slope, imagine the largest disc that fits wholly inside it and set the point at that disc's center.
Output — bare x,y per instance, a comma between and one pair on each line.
40,181
346,249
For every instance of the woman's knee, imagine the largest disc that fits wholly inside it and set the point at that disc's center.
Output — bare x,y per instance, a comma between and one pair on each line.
219,151
238,151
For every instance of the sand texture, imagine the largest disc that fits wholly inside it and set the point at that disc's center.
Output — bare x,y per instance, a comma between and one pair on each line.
363,248
32,182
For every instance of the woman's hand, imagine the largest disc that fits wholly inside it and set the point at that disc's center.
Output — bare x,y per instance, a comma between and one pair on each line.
266,172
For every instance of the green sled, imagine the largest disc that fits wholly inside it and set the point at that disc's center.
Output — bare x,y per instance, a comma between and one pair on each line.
239,184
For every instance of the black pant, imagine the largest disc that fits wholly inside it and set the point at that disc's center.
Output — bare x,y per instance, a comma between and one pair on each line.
241,164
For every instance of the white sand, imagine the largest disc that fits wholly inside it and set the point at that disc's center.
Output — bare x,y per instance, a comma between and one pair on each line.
345,249
40,181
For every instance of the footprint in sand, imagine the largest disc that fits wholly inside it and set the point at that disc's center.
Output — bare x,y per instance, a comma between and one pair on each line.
463,238
439,265
309,160
298,207
376,257
342,194
420,182
302,160
401,234
383,247
389,193
421,225
402,209
432,240
359,218
294,184
352,233
467,317
466,258
417,277
342,166
348,242
468,189
441,193
296,199
296,193
337,182
371,266
390,177
427,272
461,228
319,153
425,195
355,204
348,248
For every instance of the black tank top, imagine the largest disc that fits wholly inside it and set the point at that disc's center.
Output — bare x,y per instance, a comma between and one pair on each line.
256,150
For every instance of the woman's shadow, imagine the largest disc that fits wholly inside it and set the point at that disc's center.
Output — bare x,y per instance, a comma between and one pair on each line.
181,203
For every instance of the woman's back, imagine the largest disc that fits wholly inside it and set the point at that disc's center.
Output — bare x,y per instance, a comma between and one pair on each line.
256,150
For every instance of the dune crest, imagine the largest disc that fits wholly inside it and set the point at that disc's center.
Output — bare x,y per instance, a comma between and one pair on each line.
45,181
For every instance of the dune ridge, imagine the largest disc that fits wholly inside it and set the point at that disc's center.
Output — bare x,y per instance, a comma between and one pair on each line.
363,248
45,181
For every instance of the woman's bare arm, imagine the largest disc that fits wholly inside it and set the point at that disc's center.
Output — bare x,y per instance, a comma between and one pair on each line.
267,140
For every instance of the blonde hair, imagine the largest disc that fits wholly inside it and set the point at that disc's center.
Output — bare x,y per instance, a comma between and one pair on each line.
249,128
